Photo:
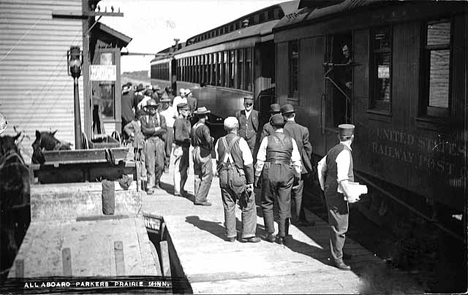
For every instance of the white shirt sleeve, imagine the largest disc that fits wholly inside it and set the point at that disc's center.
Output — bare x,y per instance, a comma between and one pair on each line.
343,160
296,157
246,154
261,156
216,149
321,170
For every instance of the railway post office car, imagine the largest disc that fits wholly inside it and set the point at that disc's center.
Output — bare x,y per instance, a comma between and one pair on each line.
403,86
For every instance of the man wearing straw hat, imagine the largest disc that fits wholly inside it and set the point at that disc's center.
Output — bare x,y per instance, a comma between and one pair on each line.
202,165
335,172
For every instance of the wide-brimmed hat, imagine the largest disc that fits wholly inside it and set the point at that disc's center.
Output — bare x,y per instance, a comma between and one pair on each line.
275,108
287,108
140,87
277,120
346,129
187,92
202,111
151,104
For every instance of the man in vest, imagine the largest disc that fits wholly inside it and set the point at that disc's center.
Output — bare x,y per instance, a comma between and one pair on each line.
182,128
335,172
267,128
153,127
202,143
192,102
274,158
301,136
248,123
233,156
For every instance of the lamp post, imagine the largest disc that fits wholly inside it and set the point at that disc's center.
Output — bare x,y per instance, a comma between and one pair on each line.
75,60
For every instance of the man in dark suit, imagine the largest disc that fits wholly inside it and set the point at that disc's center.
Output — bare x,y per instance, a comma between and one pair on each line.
267,128
248,123
301,136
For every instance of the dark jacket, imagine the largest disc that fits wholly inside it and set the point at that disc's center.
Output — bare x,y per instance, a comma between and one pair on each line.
301,136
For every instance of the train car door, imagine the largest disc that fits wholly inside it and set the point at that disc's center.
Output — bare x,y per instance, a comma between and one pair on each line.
338,79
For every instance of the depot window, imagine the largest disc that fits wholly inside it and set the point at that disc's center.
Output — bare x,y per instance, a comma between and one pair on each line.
436,69
381,70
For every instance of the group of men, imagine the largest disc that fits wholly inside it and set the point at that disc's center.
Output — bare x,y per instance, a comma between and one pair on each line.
278,162
282,160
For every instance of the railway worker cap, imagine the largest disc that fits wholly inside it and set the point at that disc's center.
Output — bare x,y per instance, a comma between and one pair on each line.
231,123
277,120
287,109
346,129
165,100
202,111
182,106
275,108
151,104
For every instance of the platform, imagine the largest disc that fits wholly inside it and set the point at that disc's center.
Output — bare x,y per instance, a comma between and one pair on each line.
213,265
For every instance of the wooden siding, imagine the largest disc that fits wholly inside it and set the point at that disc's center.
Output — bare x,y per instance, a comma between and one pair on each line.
36,92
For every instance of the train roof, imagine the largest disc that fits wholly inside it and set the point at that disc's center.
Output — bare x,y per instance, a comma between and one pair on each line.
261,29
310,11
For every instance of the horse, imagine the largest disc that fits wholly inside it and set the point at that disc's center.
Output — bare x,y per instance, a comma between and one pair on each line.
46,141
14,201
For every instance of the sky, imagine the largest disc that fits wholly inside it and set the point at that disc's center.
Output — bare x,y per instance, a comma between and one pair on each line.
153,24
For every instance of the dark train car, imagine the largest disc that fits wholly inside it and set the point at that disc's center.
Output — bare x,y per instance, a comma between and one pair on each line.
404,86
227,63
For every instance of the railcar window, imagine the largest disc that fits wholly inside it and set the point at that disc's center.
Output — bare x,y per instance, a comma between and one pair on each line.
248,69
219,66
293,69
240,69
437,69
224,70
231,69
380,98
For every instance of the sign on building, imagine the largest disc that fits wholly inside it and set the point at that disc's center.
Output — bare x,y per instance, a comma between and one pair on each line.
102,72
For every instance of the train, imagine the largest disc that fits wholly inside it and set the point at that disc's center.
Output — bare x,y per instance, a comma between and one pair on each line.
394,69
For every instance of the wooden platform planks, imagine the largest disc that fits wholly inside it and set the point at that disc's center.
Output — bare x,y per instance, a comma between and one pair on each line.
91,247
213,265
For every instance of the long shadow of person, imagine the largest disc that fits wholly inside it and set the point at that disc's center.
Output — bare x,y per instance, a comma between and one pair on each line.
213,227
169,188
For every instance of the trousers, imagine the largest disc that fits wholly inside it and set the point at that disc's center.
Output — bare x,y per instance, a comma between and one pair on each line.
296,194
203,170
181,165
338,220
277,182
154,160
249,213
168,145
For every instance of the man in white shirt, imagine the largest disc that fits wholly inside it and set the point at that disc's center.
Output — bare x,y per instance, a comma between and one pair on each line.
335,172
170,114
279,164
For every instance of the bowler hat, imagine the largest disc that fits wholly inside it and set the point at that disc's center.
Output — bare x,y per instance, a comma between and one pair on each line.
277,120
275,108
182,106
248,99
287,108
202,111
346,129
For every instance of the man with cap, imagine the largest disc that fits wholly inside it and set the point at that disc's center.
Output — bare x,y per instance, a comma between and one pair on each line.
335,172
133,131
278,164
301,136
267,128
128,106
202,165
236,177
248,123
153,126
170,114
182,128
139,95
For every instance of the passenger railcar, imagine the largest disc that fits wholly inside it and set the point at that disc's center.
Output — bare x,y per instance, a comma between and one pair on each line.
227,63
407,94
